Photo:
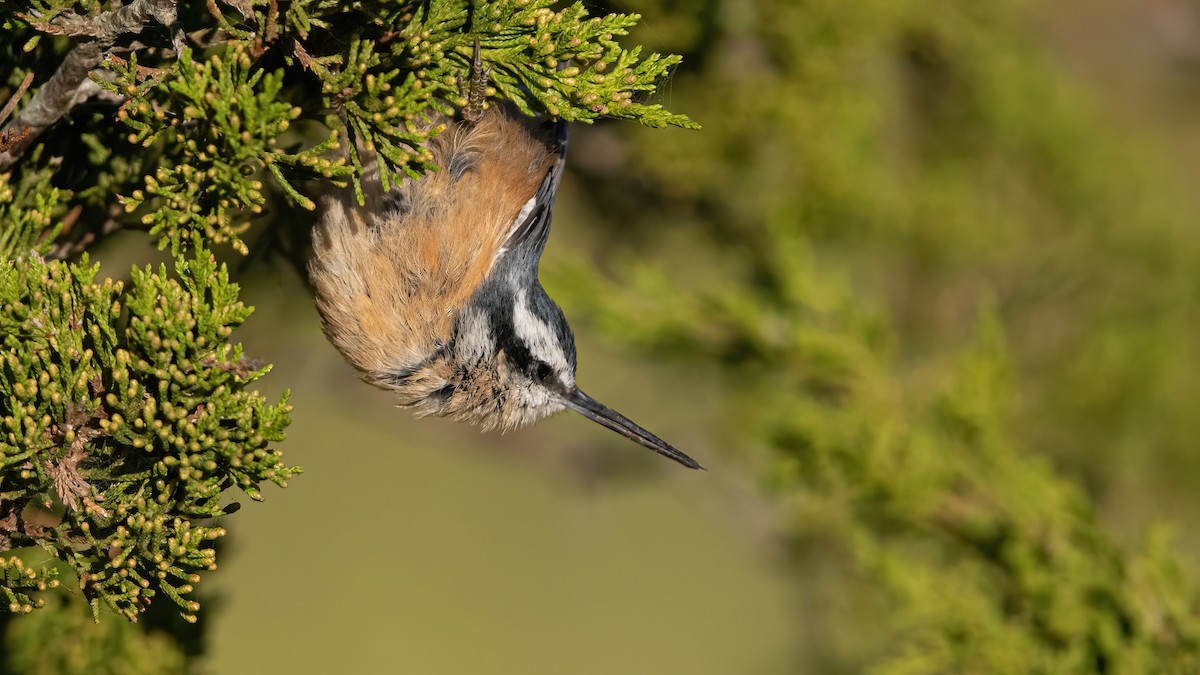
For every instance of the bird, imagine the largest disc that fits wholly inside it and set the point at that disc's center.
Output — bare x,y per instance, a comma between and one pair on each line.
430,289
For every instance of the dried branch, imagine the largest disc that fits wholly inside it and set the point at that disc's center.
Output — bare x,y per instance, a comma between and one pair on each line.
12,102
11,138
62,91
243,7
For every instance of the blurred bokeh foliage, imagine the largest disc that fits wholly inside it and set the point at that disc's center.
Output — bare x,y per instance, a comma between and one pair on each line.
952,309
104,648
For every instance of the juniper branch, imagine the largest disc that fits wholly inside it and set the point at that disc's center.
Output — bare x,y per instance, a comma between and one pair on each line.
69,84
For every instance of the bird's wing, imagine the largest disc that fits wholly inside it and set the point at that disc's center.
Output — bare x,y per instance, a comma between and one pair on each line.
532,224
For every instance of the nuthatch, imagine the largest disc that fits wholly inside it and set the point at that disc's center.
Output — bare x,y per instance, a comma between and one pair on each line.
431,289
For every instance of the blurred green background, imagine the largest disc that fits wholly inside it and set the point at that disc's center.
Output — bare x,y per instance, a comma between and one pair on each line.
879,189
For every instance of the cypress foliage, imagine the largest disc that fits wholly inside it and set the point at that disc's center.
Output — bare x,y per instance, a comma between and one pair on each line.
126,412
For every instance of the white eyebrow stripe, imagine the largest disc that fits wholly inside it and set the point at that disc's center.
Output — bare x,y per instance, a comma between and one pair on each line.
537,335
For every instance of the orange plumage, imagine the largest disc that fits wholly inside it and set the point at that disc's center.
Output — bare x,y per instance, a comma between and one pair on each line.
390,275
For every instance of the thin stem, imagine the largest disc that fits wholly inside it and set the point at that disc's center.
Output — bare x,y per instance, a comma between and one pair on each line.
68,85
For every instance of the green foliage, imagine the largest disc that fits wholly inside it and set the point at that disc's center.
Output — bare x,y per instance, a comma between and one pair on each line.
126,414
218,122
916,167
213,127
29,209
94,648
527,41
381,95
17,581
384,69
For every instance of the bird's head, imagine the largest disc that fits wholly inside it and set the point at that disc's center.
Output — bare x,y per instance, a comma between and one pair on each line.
517,357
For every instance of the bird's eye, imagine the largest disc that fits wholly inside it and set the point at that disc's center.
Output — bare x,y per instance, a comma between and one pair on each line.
543,372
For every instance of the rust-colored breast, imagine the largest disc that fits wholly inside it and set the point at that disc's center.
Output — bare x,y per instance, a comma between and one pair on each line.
389,277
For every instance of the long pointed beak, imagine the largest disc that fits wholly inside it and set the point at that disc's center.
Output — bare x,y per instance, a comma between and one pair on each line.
606,416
